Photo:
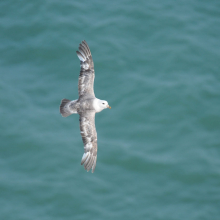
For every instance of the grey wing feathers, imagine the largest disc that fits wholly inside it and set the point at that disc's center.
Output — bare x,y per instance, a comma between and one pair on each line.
89,137
87,74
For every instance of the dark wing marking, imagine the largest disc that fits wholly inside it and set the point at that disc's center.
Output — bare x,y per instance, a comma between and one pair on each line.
89,137
87,73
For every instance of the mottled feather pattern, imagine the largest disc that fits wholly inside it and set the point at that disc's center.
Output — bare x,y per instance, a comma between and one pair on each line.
89,137
87,73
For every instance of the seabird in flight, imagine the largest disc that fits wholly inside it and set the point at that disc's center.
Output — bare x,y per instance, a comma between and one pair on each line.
87,105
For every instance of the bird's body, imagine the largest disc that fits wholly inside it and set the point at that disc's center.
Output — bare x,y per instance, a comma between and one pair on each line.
87,105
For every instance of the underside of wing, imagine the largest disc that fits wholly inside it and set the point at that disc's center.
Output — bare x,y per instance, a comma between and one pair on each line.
87,74
89,137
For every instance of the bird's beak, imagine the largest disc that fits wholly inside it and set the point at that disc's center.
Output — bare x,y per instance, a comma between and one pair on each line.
109,107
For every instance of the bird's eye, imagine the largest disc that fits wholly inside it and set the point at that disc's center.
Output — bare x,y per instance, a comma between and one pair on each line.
103,103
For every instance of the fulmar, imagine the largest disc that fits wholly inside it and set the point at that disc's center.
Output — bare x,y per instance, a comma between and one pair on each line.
87,105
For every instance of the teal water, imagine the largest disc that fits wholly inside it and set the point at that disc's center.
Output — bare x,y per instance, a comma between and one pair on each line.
157,63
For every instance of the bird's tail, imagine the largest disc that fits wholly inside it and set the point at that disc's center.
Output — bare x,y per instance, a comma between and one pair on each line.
67,107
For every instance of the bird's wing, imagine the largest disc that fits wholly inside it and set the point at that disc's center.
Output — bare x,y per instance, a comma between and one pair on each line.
89,137
87,73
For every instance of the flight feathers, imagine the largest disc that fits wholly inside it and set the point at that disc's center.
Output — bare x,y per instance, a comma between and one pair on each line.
64,108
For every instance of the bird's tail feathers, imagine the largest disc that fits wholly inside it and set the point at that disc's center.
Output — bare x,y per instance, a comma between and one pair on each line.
67,107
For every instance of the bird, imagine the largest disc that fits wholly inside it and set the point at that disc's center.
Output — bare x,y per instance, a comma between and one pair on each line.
87,105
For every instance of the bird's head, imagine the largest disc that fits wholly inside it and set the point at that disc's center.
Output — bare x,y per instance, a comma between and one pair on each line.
104,104
100,105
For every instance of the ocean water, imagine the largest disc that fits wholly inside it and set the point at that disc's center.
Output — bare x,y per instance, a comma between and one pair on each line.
157,63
